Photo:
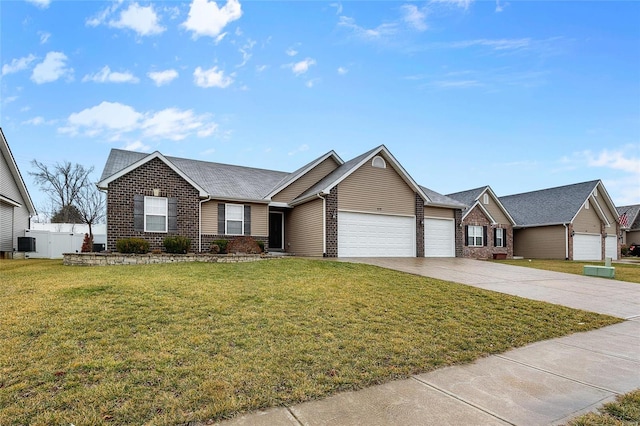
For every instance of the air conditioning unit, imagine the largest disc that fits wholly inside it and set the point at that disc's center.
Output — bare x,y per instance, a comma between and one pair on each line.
26,244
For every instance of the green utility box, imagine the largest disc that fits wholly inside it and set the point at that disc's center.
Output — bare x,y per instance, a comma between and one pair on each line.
599,271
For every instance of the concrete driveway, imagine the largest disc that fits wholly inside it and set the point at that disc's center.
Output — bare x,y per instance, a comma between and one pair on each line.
605,296
545,383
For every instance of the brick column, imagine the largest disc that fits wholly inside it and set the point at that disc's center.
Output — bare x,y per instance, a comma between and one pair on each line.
459,233
331,223
419,226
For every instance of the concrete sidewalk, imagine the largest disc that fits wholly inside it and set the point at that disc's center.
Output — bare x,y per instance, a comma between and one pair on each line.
547,382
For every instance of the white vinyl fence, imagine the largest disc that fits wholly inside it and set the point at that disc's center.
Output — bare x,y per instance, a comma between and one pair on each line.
52,244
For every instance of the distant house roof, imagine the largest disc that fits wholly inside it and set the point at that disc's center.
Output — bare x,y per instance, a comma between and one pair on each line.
439,200
471,198
17,177
551,206
632,216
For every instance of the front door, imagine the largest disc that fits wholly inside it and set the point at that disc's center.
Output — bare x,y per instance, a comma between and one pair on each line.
276,228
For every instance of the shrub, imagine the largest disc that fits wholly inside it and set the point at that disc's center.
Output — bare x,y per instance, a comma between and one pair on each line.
624,250
87,244
214,248
132,245
177,244
222,245
243,245
261,245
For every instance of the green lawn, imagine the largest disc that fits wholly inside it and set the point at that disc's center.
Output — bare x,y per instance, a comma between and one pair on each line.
624,271
625,411
169,344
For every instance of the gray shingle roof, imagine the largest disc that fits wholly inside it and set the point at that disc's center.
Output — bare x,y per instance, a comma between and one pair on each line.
219,180
632,215
468,197
548,206
441,200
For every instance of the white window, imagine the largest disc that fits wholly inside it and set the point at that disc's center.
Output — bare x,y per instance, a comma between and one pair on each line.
234,218
155,214
475,236
485,198
500,237
586,205
378,162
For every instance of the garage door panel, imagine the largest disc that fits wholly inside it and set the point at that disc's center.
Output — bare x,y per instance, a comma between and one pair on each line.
587,247
439,238
611,247
372,235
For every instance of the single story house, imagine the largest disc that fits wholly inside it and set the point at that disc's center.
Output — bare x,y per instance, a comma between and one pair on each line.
16,207
487,225
574,222
367,206
629,219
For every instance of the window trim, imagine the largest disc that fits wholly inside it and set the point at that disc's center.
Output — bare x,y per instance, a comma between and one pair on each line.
381,163
485,198
166,214
226,218
474,237
500,231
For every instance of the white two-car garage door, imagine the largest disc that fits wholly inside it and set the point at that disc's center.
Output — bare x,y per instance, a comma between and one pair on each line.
611,247
587,247
375,235
439,238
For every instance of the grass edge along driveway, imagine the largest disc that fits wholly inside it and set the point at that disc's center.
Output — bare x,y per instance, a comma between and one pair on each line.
169,344
629,272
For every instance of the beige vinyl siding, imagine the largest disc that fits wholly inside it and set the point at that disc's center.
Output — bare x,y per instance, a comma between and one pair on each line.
544,242
304,229
611,216
371,189
8,186
587,220
305,182
20,222
259,218
631,237
439,212
495,211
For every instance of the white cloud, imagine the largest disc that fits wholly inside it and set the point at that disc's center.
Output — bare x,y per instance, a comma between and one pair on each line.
301,148
44,36
301,67
115,121
207,19
40,3
220,37
380,31
500,44
261,68
9,99
52,68
414,17
291,52
342,70
455,84
141,19
500,7
211,78
163,77
246,50
137,146
338,7
463,4
622,159
35,121
18,64
102,16
105,75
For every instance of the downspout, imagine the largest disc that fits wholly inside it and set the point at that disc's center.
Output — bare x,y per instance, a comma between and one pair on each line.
566,241
324,224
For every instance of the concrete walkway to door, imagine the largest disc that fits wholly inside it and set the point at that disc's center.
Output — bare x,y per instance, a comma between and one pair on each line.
544,383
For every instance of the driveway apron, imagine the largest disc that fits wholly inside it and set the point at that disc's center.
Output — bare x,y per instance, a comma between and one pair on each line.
545,383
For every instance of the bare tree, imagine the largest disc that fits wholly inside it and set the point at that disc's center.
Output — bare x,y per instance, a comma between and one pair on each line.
63,182
90,204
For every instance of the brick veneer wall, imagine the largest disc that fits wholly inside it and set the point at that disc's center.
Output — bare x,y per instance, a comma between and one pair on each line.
209,238
459,233
155,174
419,226
332,223
477,217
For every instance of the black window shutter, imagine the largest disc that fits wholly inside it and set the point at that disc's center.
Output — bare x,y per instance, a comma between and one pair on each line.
495,237
138,213
221,218
484,235
466,235
247,220
173,214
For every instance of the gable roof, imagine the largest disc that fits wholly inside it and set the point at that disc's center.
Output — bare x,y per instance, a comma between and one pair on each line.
633,218
553,206
327,183
17,177
294,176
472,197
215,180
439,200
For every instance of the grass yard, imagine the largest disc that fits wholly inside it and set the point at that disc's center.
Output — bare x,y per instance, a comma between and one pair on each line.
169,344
625,411
624,271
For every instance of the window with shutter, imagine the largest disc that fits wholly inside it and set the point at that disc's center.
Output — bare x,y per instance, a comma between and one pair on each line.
156,213
234,218
475,235
498,237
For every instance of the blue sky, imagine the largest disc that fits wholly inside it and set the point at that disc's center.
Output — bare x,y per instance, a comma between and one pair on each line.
513,94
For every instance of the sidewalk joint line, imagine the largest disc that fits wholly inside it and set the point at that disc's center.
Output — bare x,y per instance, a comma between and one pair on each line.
600,352
294,415
464,401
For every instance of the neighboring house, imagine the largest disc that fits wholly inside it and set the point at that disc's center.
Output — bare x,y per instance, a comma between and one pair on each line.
16,206
629,219
574,222
367,206
487,225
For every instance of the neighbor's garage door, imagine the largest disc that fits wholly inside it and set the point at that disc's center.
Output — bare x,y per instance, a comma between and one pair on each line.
587,247
375,235
611,247
439,238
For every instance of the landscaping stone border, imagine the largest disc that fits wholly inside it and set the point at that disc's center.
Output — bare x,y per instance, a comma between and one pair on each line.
104,259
